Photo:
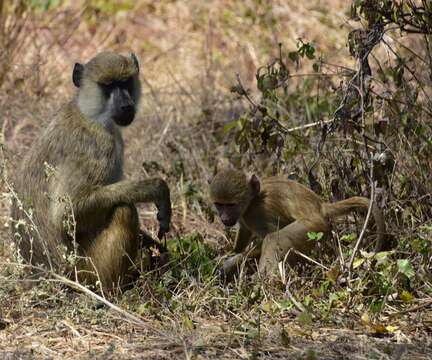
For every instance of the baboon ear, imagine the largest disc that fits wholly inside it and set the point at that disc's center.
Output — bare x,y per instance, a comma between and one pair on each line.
255,185
77,74
135,60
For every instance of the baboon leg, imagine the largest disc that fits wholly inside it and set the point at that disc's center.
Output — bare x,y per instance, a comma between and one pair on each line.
293,236
111,255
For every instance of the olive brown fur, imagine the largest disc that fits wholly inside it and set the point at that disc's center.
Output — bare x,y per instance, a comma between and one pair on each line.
73,174
276,214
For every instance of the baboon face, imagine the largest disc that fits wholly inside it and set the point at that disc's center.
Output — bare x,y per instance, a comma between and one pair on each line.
228,213
231,193
120,103
109,88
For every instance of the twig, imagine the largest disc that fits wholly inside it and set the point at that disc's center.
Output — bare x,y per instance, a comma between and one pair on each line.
164,132
311,260
291,297
415,308
71,328
369,212
245,93
77,286
309,125
339,248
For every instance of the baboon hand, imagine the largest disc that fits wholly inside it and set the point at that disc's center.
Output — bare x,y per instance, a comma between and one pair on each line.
157,191
164,218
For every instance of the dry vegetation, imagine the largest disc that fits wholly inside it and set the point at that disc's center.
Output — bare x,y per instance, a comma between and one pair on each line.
190,53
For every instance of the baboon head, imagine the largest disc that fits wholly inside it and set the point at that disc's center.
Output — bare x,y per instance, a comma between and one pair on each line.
231,193
108,88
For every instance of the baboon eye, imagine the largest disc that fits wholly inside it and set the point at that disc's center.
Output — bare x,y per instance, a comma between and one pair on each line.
219,205
122,84
127,84
107,88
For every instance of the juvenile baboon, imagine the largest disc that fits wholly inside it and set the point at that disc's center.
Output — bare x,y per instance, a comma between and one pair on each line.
277,214
74,171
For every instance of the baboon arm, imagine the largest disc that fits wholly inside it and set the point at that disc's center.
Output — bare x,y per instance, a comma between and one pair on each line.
130,191
124,192
232,264
100,200
243,239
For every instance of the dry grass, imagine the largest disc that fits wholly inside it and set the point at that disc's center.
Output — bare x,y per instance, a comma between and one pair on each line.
190,53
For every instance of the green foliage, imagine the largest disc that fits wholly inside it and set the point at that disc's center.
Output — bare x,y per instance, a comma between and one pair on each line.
303,50
315,236
377,116
97,10
264,128
110,7
44,5
410,16
193,257
405,267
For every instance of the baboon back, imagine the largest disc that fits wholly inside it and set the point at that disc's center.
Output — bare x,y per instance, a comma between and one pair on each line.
70,157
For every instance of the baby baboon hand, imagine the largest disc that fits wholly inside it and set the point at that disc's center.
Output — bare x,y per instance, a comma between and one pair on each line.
230,266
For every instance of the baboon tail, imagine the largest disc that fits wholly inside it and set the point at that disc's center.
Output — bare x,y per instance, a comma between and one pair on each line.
344,207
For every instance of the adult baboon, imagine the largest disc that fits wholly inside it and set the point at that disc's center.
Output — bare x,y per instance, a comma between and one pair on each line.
74,170
277,214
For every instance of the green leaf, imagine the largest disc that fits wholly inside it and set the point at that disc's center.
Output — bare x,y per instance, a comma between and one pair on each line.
310,52
315,235
294,56
358,262
285,304
231,125
253,334
348,237
188,323
406,296
382,257
267,307
405,267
